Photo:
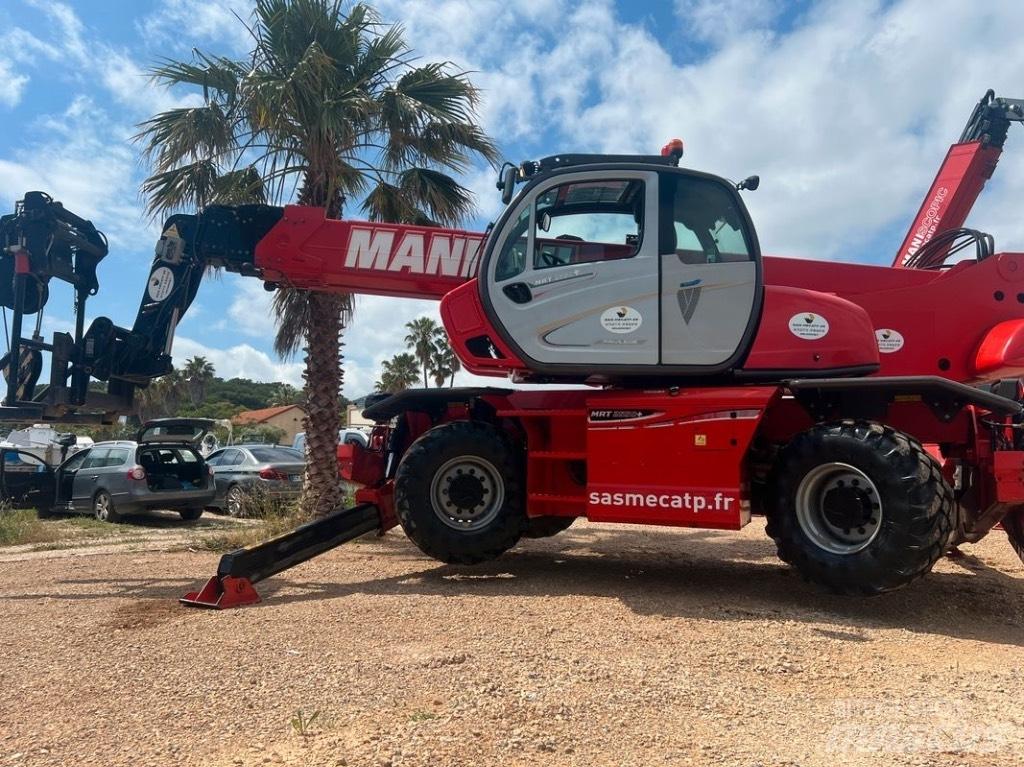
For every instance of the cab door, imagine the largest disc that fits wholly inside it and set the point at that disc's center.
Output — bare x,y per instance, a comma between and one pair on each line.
573,282
710,273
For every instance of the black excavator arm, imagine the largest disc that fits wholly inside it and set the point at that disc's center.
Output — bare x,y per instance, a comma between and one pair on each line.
42,241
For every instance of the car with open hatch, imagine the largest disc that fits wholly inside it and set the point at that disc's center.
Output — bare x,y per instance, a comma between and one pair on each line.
161,469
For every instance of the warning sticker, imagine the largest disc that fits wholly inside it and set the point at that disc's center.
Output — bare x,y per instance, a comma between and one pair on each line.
889,340
161,283
808,325
621,319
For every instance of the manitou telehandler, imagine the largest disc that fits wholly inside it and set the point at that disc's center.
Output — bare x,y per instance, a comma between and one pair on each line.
872,413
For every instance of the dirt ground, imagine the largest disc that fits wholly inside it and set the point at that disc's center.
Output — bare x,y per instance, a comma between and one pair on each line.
603,646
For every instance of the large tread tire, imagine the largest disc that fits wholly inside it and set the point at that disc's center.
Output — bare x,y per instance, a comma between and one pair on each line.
545,527
919,513
413,482
1013,524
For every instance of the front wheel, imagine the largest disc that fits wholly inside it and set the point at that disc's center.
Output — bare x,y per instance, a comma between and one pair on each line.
859,507
459,493
190,515
103,507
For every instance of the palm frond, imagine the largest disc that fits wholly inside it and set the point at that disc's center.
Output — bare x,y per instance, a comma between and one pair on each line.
189,133
441,196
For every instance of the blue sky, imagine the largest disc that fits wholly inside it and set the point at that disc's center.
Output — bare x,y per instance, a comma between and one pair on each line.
845,109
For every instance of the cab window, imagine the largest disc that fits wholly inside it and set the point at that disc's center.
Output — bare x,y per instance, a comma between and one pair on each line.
512,259
707,227
588,221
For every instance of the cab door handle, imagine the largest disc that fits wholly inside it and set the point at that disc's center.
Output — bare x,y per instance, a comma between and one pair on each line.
519,292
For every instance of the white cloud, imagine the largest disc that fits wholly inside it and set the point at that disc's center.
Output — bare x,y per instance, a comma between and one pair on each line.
722,20
183,22
251,311
11,85
85,162
239,361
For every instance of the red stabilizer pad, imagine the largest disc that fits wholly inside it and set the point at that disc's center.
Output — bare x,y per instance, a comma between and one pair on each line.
222,593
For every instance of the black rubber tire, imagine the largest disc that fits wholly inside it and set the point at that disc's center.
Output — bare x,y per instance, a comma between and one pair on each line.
919,513
46,513
1013,524
545,527
190,515
412,493
112,515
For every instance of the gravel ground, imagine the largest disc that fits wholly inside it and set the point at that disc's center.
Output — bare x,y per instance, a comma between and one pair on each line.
603,646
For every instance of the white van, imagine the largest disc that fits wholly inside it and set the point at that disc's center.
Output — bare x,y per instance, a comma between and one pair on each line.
345,436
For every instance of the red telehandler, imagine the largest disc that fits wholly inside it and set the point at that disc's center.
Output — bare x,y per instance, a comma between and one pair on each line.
873,414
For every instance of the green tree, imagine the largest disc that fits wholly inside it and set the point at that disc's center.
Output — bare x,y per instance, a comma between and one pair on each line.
443,362
285,394
332,103
397,374
161,398
198,373
261,433
421,339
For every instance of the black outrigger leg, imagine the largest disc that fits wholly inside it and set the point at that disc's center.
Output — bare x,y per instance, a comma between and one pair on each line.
239,570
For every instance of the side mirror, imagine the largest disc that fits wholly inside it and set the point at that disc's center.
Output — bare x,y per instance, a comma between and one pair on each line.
544,222
750,182
507,185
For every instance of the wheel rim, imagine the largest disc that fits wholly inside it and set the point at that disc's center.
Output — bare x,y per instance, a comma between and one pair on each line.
234,502
838,507
467,493
101,507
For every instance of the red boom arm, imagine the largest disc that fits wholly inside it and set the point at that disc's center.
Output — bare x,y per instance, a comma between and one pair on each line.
307,250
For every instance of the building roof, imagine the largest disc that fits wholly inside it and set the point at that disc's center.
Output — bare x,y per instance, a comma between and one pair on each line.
263,415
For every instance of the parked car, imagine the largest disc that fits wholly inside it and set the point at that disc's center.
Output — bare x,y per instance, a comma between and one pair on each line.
162,469
345,437
240,469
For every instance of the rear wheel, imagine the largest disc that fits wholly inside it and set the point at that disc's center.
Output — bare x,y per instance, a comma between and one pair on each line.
859,507
190,515
234,501
459,493
103,507
545,527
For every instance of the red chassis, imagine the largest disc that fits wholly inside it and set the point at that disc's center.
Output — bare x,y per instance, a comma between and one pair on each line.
697,449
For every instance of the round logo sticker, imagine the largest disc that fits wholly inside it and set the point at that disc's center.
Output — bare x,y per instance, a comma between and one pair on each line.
161,283
621,319
808,325
889,340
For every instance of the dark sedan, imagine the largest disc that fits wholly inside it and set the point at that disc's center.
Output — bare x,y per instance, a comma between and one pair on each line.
258,470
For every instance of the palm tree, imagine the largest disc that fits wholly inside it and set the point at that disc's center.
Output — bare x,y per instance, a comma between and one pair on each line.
198,373
421,338
161,397
284,394
399,373
443,361
329,103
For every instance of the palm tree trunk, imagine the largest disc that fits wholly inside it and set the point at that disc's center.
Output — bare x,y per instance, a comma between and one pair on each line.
322,490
